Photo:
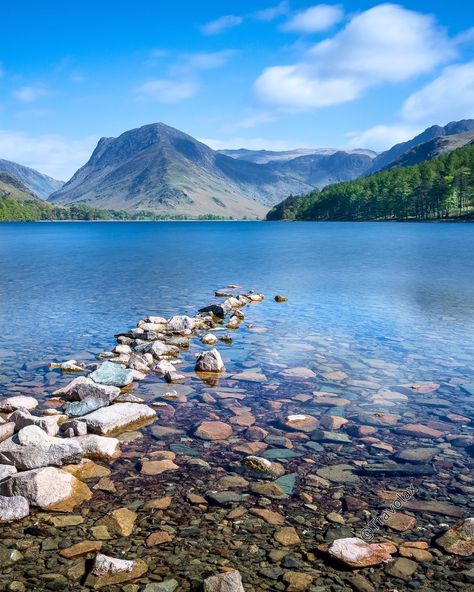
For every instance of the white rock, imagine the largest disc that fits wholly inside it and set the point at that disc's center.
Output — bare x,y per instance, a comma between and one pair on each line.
98,447
230,581
164,366
68,366
7,471
158,349
121,348
117,417
13,508
112,375
32,448
47,488
70,387
156,320
23,418
180,324
209,339
18,402
139,362
209,361
7,430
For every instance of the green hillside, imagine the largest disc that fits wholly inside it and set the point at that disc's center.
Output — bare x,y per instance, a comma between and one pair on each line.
440,188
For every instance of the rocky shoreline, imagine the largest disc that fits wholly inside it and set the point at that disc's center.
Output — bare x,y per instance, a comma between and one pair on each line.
240,483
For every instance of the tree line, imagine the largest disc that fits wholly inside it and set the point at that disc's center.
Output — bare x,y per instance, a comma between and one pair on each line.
437,189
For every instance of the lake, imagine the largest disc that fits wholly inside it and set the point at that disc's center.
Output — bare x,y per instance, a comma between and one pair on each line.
379,316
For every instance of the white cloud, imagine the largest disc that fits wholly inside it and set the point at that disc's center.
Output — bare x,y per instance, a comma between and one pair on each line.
450,96
209,60
386,44
249,144
221,24
381,137
167,90
29,94
51,154
269,14
315,19
251,121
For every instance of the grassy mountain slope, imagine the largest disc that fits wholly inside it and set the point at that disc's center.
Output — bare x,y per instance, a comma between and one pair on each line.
41,185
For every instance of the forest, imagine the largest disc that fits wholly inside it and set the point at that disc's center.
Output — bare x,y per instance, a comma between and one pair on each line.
437,189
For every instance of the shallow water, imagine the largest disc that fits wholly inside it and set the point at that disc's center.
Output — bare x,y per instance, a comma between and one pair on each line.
373,310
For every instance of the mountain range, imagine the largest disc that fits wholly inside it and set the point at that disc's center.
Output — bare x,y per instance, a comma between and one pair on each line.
160,170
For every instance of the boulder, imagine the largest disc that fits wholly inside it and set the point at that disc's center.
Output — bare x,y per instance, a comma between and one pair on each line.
164,366
213,430
32,448
459,539
209,339
280,298
218,310
355,552
209,361
74,428
18,402
119,522
48,488
6,471
158,349
107,571
230,581
180,324
99,447
69,389
300,423
118,417
89,389
6,430
23,418
112,374
13,508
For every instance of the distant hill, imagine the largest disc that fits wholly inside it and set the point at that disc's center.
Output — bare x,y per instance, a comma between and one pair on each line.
265,156
440,188
390,157
157,168
41,185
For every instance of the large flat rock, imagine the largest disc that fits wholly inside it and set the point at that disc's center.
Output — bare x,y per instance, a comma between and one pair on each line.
118,417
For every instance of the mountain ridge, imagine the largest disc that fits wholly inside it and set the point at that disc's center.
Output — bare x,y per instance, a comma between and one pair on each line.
40,184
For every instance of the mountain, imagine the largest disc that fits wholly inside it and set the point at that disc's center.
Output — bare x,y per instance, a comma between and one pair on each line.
42,185
265,156
432,149
13,188
389,157
157,168
439,188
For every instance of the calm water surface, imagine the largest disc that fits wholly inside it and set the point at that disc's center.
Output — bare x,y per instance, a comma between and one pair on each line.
373,310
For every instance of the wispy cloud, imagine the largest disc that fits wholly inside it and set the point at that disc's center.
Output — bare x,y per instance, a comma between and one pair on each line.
52,154
315,19
385,44
29,94
221,24
167,91
270,14
250,143
250,121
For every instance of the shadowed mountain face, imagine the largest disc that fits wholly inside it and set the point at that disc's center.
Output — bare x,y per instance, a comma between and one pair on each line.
389,158
13,188
40,184
160,169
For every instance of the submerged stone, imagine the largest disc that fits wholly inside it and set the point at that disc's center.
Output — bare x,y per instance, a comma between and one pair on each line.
112,374
117,417
107,571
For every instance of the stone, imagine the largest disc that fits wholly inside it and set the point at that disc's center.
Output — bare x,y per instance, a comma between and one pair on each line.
159,537
112,374
180,324
119,522
230,581
163,367
269,516
156,467
10,404
209,361
48,488
224,498
74,428
82,548
209,339
354,552
287,536
158,349
91,389
99,447
69,389
399,521
338,474
393,469
118,417
162,503
419,430
298,373
213,430
165,586
280,298
300,423
417,455
459,540
332,422
23,418
402,568
67,366
6,430
32,448
218,310
331,437
262,468
249,376
268,489
107,571
6,471
13,508
297,581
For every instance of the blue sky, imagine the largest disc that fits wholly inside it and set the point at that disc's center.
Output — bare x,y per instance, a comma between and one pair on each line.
252,73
